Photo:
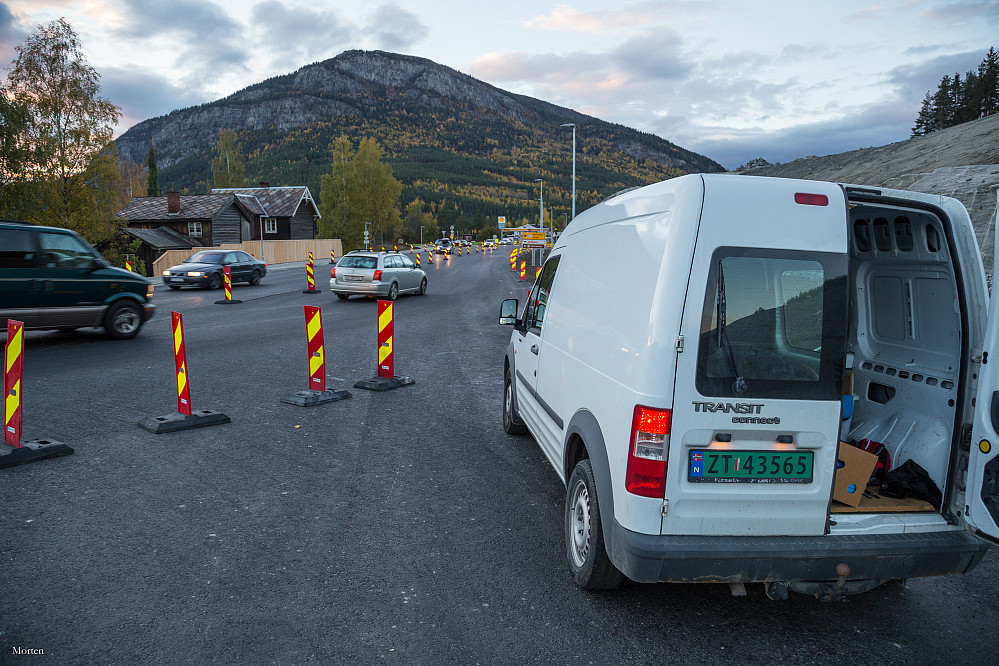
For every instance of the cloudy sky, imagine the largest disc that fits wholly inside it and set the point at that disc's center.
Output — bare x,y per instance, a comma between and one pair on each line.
730,79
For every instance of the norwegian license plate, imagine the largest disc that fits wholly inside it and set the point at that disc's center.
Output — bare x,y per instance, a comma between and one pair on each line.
721,466
352,278
177,279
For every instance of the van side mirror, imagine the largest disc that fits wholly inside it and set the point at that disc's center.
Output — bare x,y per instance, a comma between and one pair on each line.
508,312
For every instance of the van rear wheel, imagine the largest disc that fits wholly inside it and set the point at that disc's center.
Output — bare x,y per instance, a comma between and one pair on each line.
591,567
510,424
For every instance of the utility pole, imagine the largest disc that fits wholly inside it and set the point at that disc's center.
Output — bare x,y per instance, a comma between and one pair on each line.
573,126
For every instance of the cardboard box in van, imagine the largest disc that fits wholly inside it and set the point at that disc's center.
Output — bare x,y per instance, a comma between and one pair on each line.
853,470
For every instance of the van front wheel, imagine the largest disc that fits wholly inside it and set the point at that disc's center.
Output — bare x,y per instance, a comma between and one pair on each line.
591,567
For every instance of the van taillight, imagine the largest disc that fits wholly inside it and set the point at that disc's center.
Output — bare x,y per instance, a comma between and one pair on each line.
811,199
647,453
377,276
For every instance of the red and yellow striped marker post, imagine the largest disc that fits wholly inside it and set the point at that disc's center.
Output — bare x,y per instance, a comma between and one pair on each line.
184,418
385,378
13,365
386,328
523,271
128,266
180,364
310,272
417,259
13,451
332,257
317,355
316,393
513,260
537,272
227,273
430,255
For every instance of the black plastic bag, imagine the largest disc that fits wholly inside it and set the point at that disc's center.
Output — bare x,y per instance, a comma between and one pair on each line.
911,480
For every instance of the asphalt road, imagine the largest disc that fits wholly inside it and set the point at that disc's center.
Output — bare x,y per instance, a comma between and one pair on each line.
402,527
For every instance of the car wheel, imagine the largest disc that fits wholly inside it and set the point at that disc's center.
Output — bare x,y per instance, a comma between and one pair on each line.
123,320
393,292
215,281
255,278
509,415
584,539
342,297
423,287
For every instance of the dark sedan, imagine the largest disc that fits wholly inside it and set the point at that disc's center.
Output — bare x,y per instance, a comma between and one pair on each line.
204,269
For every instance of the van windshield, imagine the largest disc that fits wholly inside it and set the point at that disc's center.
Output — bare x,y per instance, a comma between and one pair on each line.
774,325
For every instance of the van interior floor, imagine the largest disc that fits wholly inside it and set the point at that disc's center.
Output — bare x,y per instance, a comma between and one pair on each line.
874,502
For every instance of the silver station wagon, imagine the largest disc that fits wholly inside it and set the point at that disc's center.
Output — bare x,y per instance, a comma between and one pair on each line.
376,275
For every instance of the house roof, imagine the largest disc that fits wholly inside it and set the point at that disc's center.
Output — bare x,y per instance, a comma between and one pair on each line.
192,207
162,238
275,201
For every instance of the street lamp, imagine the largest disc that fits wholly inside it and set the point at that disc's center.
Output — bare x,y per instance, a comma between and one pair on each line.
541,207
421,234
573,126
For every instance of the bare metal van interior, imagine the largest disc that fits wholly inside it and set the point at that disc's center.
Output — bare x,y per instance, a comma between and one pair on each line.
906,347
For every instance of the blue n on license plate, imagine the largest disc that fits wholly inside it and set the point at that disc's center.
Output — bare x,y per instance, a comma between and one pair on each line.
723,466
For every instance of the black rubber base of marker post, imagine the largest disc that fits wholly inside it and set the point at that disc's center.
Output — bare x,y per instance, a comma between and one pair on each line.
384,383
31,451
310,397
227,302
177,421
311,291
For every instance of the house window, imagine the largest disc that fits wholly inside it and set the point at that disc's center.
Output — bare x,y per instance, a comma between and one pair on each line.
194,229
270,225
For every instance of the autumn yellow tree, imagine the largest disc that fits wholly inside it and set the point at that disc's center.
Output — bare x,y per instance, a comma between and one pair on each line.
359,194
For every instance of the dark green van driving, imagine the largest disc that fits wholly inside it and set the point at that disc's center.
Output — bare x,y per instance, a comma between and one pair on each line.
52,278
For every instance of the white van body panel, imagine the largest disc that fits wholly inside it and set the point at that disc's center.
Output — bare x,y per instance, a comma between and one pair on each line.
623,354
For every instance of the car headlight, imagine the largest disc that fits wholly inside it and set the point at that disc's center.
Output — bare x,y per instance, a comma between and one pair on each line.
166,273
195,274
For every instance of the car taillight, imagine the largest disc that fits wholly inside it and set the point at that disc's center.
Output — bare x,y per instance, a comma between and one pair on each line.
647,453
377,276
332,273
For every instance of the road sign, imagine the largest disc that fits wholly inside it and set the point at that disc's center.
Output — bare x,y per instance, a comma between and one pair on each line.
502,222
532,239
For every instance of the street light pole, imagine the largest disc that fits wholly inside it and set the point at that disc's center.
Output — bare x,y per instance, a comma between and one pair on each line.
573,126
541,205
421,234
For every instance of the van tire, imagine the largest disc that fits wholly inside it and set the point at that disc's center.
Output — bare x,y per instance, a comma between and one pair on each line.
510,417
591,567
123,320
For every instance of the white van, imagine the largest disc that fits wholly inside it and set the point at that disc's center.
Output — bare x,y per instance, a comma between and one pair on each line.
681,363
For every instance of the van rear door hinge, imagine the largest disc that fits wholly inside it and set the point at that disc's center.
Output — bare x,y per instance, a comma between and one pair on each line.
679,344
665,506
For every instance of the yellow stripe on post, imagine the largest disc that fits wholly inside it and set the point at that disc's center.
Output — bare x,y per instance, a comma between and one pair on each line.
315,325
316,361
384,351
13,401
14,348
385,318
178,339
182,377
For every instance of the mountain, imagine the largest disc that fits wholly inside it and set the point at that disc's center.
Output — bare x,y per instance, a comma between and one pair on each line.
447,136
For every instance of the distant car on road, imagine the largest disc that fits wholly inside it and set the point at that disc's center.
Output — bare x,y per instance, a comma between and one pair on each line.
376,274
204,269
489,243
505,241
444,246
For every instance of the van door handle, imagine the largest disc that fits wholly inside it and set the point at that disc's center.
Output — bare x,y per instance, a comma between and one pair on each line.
534,349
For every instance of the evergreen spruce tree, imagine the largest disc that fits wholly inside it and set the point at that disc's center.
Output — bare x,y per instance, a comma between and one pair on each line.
988,74
924,121
152,174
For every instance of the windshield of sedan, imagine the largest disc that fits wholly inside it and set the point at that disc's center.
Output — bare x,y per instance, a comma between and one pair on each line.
206,258
359,262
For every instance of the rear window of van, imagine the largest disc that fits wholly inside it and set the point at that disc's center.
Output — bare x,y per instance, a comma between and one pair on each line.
774,325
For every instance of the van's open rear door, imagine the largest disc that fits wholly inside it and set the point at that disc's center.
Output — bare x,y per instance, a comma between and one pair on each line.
982,499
